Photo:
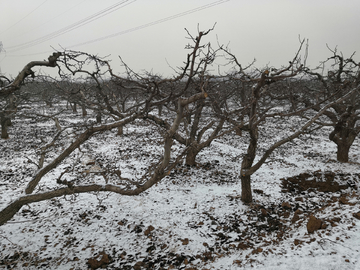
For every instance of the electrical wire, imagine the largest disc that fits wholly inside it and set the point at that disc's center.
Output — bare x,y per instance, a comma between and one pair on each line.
137,27
71,27
53,18
24,17
152,23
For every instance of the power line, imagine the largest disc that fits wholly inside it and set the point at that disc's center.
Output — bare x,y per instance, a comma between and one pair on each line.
24,17
53,18
138,27
71,27
152,23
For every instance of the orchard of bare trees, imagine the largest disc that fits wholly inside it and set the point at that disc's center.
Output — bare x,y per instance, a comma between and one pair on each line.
199,105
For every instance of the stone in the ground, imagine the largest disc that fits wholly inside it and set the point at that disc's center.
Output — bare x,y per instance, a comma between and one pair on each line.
286,205
313,224
356,215
149,230
93,263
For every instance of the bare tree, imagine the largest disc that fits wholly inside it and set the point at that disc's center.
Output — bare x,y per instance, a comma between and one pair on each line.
27,71
263,83
194,125
192,135
78,63
344,75
7,90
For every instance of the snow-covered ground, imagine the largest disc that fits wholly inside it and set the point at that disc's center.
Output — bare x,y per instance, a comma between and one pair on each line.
194,218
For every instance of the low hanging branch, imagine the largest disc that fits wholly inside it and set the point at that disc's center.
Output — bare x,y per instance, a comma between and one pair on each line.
26,71
8,212
159,172
128,186
302,130
80,140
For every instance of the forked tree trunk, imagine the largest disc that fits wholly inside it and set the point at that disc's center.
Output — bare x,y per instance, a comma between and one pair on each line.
344,137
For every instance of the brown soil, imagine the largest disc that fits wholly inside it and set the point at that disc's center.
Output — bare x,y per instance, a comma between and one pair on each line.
320,182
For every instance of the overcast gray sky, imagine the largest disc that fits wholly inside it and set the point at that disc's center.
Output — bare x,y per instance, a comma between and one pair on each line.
149,34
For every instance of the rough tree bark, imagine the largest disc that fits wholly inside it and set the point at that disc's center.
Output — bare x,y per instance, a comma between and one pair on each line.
247,162
74,145
344,117
301,130
248,159
131,187
258,114
26,71
160,172
344,134
15,85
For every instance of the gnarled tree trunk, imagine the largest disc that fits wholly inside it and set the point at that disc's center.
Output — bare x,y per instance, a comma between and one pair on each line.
247,162
191,156
344,135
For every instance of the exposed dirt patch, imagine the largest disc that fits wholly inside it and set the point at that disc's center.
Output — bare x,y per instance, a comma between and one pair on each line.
319,181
